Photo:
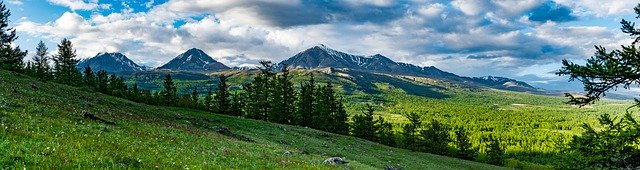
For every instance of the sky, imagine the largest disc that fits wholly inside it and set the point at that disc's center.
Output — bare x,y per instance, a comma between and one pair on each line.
520,39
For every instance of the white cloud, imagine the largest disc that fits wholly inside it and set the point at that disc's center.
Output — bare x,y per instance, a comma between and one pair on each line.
600,8
430,33
77,4
15,2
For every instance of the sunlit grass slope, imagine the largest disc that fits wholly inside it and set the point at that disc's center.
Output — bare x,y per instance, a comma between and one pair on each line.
42,125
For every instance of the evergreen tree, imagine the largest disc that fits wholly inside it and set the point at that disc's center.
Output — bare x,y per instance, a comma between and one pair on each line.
306,103
42,68
464,147
607,70
364,126
65,65
194,95
102,82
237,104
89,78
494,150
29,69
208,99
410,131
283,98
170,92
435,138
135,94
10,57
329,114
259,93
221,99
385,132
614,146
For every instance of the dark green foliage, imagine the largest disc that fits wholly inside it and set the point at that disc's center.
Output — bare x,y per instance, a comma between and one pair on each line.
116,86
208,99
259,93
614,146
170,92
10,57
329,113
410,131
607,70
237,103
435,138
65,64
306,103
41,67
283,98
463,144
194,95
102,82
494,150
89,78
364,126
221,99
385,134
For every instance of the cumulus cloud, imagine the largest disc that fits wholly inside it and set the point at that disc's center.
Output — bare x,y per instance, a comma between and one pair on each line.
79,4
473,38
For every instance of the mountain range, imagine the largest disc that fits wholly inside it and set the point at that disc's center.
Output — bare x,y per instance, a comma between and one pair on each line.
321,56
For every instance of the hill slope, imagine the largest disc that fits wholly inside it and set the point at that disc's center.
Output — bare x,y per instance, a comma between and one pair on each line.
42,125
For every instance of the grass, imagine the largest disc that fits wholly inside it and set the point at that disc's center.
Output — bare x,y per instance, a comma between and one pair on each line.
42,125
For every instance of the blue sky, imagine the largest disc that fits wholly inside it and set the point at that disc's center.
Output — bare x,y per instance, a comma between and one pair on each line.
521,39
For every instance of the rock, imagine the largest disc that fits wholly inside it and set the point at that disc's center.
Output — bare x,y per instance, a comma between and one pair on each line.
391,168
33,86
222,129
304,152
335,161
91,116
288,153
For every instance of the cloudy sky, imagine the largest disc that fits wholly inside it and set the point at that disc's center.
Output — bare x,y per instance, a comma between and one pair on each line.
521,39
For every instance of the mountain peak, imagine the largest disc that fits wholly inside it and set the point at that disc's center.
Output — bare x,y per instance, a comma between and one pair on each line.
194,60
110,62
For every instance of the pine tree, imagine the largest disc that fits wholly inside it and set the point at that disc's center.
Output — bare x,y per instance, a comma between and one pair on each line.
194,98
10,57
65,65
89,78
260,93
435,138
221,100
135,94
208,100
237,103
464,147
306,103
364,126
283,98
410,131
385,134
170,92
42,67
337,116
102,82
494,150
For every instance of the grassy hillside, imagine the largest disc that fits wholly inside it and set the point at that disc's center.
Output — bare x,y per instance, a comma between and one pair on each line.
42,125
531,127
